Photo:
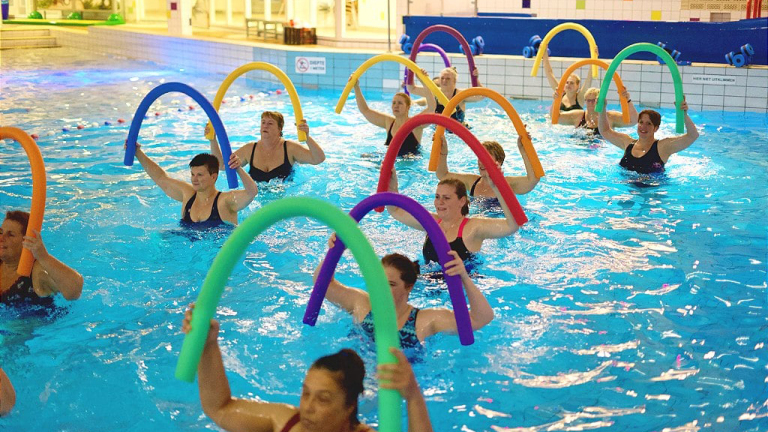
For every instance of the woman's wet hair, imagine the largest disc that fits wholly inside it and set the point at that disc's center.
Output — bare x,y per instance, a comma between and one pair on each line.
207,160
404,96
461,191
20,217
654,116
349,370
496,151
276,116
409,270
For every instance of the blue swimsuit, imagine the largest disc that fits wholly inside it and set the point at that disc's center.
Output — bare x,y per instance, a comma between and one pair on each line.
408,338
213,220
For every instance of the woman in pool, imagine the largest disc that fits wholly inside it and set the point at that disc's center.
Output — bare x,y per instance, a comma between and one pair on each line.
588,118
647,154
401,105
329,394
480,185
452,206
7,394
272,156
573,99
447,83
415,324
49,275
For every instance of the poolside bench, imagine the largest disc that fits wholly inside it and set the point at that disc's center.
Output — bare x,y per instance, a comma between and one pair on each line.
265,28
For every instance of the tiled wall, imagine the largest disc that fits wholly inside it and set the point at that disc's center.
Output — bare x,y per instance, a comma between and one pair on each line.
712,87
635,10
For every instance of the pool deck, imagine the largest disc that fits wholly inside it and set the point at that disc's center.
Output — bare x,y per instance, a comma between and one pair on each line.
713,87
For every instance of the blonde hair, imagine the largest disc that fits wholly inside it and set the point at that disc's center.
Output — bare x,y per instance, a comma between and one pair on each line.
452,70
591,92
576,77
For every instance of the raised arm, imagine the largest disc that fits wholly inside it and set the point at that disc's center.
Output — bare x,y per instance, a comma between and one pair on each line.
241,153
374,117
355,301
430,102
172,187
572,117
49,275
398,213
312,154
239,199
618,139
548,72
442,167
231,414
523,184
400,377
7,394
670,146
617,119
587,82
488,228
418,90
480,311
475,98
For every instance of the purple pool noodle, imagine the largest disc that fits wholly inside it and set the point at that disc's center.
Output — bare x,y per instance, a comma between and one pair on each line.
455,289
428,47
451,31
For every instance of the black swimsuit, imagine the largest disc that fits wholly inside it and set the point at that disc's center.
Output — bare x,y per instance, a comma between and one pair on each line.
430,254
648,163
22,293
410,143
281,172
583,124
457,115
213,220
570,108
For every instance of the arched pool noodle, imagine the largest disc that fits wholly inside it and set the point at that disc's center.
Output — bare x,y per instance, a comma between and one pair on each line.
565,26
460,310
274,70
497,177
37,209
213,116
432,48
578,64
388,57
671,64
385,326
453,32
538,170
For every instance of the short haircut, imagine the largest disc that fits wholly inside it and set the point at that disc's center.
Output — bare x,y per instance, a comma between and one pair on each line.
494,148
20,217
207,160
592,92
654,116
276,116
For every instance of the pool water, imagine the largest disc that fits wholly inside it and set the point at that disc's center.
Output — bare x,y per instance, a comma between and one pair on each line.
627,303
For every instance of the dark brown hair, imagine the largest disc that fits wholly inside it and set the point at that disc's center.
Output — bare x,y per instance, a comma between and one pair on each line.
409,270
20,217
276,116
350,372
207,160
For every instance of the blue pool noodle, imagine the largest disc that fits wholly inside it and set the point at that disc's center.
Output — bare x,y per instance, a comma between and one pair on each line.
213,116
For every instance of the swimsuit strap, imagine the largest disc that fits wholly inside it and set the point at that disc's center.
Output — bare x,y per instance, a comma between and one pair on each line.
285,152
291,423
472,189
253,150
461,227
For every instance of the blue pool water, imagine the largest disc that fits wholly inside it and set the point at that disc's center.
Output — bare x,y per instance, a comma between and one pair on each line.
625,304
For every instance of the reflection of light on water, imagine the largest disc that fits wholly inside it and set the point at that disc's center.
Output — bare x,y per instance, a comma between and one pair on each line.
676,374
565,379
569,420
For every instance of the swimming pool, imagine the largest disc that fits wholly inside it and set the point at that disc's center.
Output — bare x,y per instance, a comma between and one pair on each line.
624,304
